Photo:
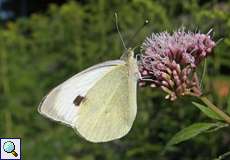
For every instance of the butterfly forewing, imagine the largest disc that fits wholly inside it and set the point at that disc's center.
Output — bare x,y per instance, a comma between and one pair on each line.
60,103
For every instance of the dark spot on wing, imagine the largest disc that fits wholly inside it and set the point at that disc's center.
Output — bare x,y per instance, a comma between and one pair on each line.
77,101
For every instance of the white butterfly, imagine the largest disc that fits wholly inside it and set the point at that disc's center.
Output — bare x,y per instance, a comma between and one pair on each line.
99,102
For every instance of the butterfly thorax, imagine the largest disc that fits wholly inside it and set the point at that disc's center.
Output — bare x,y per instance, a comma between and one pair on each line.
131,61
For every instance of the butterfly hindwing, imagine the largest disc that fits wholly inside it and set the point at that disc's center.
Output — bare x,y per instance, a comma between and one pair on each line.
109,108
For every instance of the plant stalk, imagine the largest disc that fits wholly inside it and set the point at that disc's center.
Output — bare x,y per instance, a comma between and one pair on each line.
216,109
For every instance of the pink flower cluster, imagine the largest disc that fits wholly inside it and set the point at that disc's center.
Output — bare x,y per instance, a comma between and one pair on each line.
169,61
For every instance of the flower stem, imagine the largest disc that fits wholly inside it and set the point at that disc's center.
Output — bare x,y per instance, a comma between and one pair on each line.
216,109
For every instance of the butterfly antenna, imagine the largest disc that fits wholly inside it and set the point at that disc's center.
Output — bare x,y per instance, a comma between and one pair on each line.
122,40
138,31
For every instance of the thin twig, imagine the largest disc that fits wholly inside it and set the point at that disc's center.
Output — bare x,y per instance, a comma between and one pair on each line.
223,156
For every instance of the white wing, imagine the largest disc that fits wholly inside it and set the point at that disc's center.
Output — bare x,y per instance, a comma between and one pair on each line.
58,104
109,109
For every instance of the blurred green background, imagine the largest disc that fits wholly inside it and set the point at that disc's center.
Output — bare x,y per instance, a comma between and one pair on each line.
44,43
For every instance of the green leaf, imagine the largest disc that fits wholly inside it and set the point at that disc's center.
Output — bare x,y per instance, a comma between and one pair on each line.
190,132
219,126
208,112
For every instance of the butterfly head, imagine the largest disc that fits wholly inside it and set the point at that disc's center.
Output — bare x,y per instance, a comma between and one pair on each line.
128,54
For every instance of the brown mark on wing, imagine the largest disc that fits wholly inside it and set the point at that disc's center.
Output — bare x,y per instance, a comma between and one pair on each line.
77,101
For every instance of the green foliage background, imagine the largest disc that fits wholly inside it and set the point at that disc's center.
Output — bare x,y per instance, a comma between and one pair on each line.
41,51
